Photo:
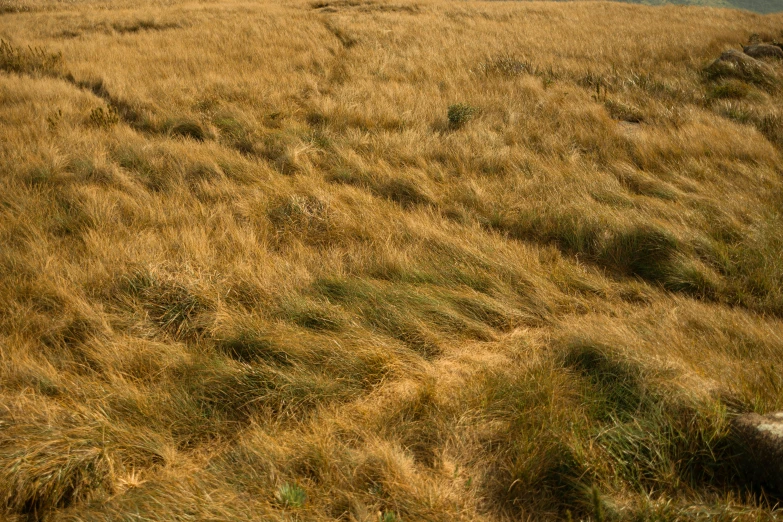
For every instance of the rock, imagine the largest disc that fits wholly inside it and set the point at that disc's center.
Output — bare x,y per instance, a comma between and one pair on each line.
764,51
734,64
629,129
761,441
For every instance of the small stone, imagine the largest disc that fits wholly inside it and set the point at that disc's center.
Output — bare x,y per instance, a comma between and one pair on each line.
764,51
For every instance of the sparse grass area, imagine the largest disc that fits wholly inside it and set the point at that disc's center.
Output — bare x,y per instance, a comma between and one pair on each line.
385,261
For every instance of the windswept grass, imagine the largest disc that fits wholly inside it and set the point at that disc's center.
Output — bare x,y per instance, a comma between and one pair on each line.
396,261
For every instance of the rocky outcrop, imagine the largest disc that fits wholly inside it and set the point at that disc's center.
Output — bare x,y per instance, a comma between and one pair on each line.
762,51
735,64
761,441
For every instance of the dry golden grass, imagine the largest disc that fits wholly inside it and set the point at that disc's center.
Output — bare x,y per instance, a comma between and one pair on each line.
383,261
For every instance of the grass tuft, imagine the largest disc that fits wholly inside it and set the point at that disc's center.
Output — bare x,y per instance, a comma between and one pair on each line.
617,383
506,65
729,89
170,305
104,118
290,495
236,134
404,192
459,114
32,60
647,252
45,469
188,129
311,316
304,217
253,347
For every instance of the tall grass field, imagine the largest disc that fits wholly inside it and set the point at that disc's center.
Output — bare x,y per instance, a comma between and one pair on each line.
385,260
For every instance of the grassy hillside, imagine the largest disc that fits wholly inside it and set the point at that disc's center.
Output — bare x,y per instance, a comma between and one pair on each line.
383,261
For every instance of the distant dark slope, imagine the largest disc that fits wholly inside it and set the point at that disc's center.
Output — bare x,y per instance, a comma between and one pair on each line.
757,6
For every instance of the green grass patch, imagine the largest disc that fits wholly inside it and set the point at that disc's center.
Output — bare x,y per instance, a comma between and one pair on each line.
235,134
251,347
644,251
729,89
290,495
190,129
459,114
